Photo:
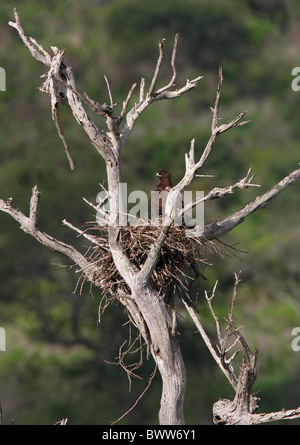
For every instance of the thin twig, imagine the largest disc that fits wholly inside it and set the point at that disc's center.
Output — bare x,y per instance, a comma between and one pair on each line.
55,116
157,69
216,108
142,89
34,209
91,238
30,43
109,92
173,59
126,102
139,398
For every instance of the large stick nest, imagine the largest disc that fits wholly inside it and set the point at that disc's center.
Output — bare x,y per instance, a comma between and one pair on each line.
181,262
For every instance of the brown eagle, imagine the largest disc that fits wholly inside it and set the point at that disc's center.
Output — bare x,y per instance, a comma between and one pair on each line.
159,197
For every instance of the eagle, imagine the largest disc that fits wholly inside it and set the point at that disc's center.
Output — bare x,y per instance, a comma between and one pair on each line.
159,197
164,181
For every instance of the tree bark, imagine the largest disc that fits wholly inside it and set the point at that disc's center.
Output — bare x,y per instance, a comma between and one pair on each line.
164,345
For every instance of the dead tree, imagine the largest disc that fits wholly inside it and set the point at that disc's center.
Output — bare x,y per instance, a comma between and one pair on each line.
131,271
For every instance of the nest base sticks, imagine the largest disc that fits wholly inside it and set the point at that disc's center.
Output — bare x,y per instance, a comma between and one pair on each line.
181,261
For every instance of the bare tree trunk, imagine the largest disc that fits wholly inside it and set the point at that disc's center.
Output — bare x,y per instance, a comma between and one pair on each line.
163,343
150,315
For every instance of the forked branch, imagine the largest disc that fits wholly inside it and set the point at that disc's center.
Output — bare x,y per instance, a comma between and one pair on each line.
192,167
30,226
155,95
217,229
61,75
218,192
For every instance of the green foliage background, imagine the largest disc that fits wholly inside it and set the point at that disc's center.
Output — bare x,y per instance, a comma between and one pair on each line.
56,363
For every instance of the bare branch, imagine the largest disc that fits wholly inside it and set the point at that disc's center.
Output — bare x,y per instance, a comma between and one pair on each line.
102,109
137,110
230,376
142,89
229,319
62,422
219,229
91,238
34,209
99,209
56,98
64,72
258,419
244,406
36,50
236,122
55,116
215,110
225,364
171,83
153,256
126,102
191,167
98,140
221,192
209,301
190,84
242,410
139,398
58,95
109,92
157,69
30,226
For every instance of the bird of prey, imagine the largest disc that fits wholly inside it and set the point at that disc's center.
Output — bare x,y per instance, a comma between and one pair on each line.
164,181
159,197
